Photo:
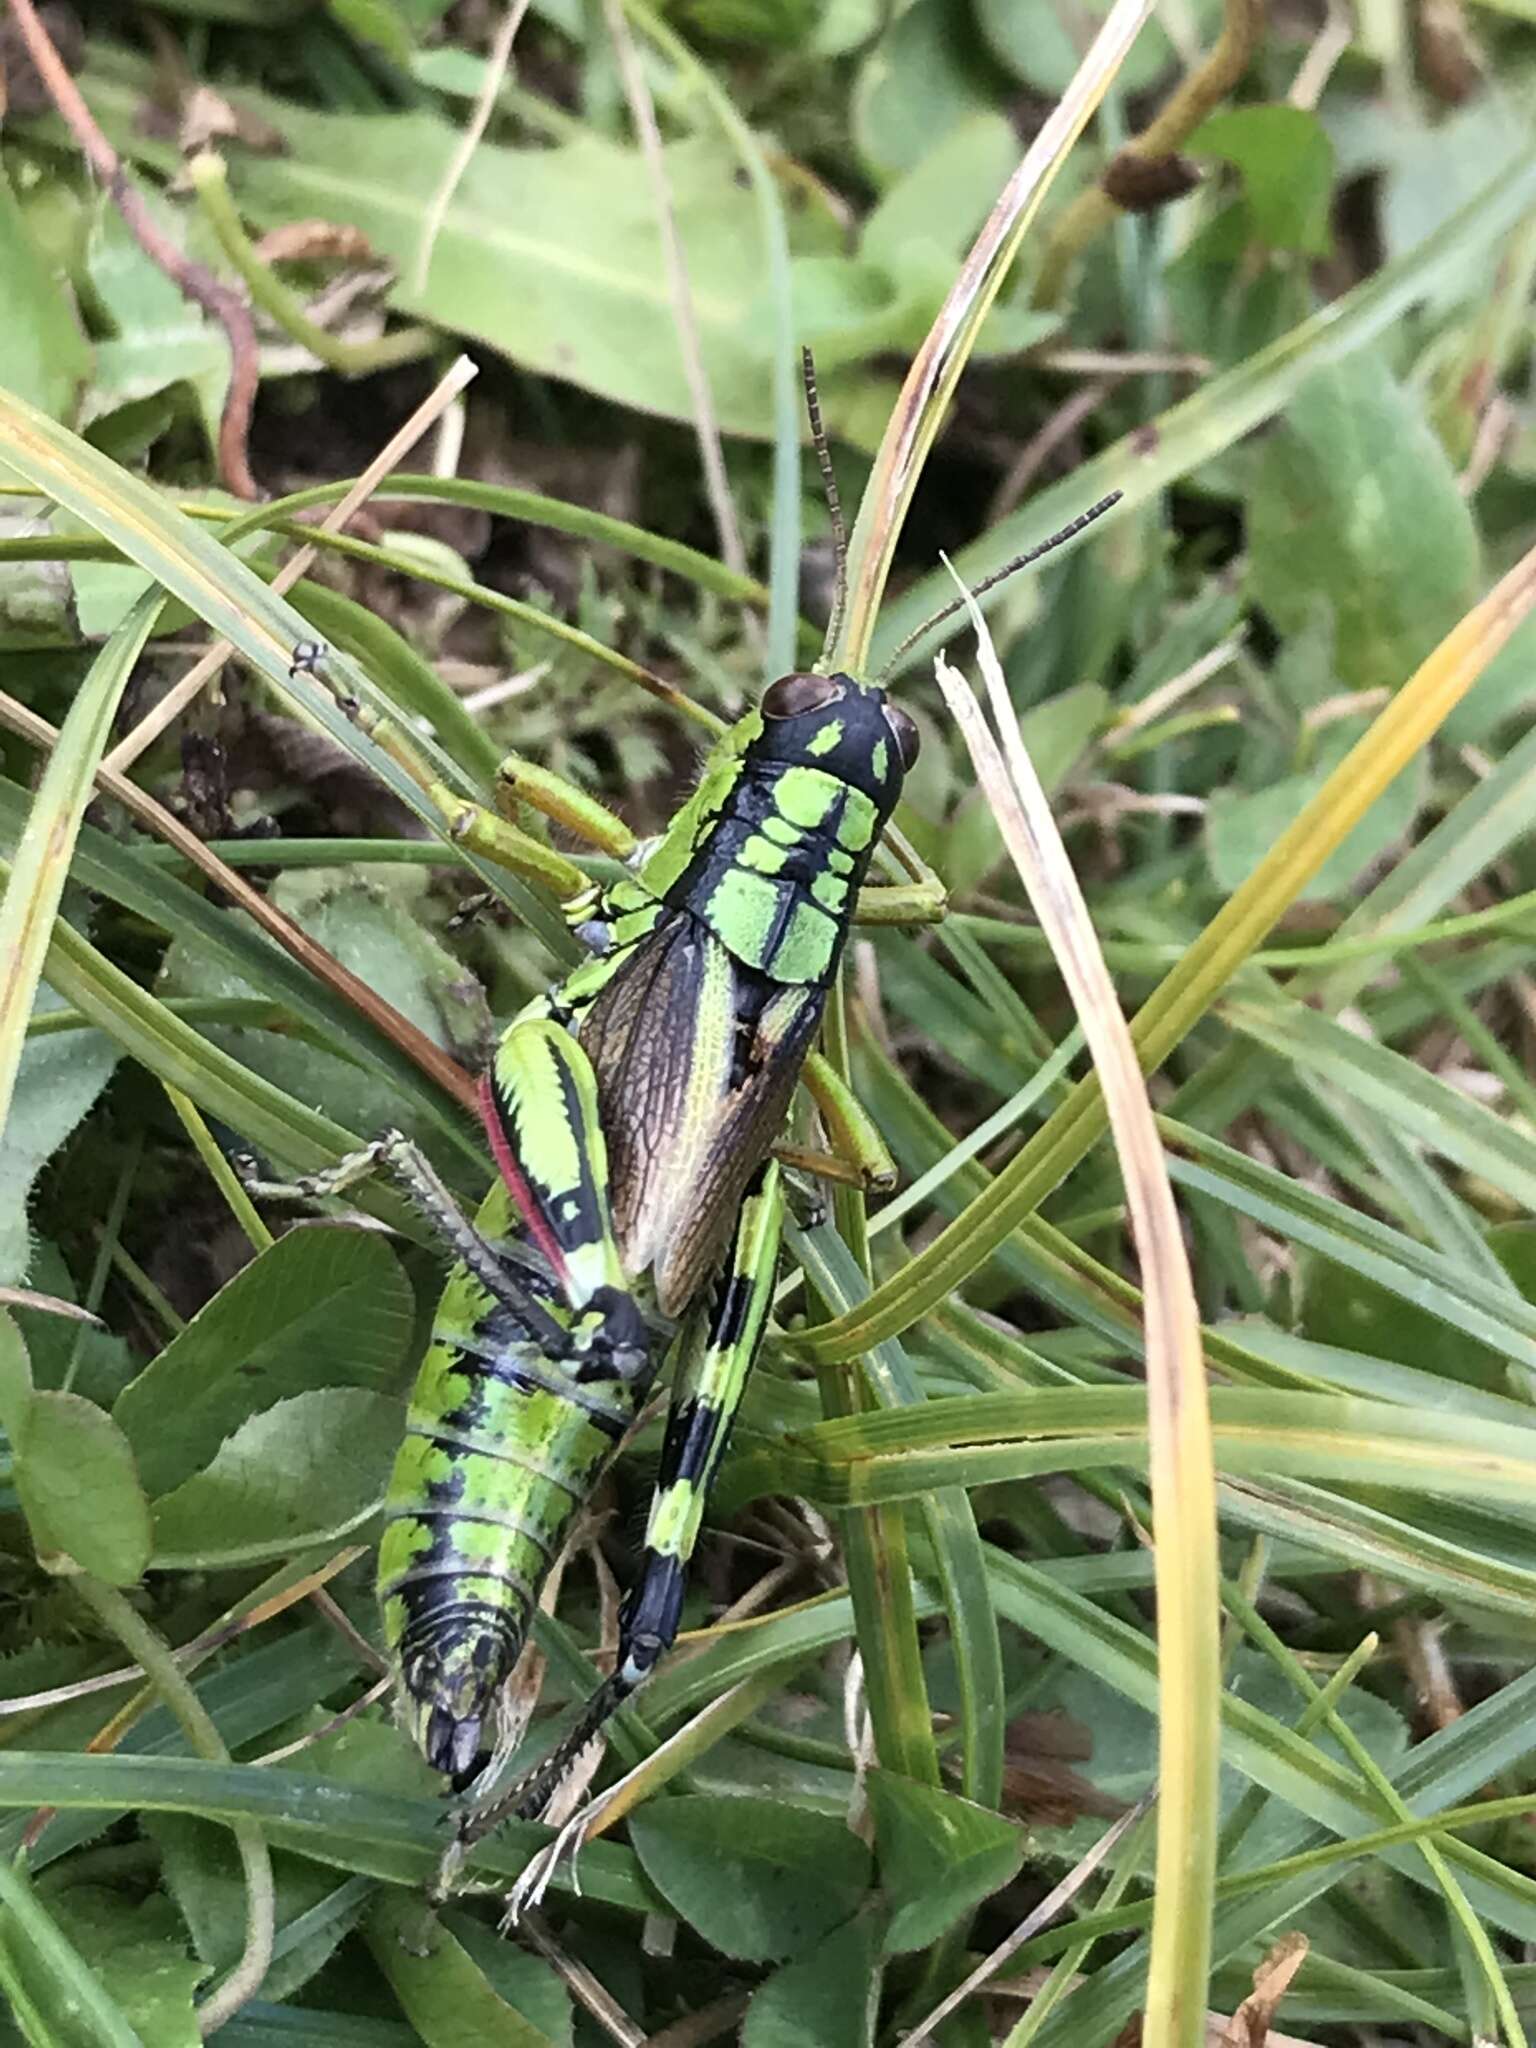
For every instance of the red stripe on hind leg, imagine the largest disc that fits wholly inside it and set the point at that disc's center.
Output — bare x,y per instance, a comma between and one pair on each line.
517,1183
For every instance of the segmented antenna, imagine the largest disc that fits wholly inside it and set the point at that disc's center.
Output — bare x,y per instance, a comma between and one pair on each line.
1072,528
834,502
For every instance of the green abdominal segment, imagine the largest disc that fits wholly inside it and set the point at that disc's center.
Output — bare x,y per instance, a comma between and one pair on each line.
503,1445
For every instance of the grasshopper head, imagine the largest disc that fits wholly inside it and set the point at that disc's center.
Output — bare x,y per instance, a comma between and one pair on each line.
847,728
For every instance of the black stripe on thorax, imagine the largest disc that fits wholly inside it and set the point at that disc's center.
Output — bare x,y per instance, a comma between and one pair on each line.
744,814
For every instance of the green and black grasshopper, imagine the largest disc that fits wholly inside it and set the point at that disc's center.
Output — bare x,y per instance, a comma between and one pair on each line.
633,1113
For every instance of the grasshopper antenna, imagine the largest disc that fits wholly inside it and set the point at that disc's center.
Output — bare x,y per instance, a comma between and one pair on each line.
1068,532
834,502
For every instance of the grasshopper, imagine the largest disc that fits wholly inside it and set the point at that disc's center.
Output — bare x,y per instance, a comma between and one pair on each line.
631,1113
634,1113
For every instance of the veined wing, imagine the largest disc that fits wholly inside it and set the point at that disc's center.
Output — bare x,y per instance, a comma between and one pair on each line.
692,1091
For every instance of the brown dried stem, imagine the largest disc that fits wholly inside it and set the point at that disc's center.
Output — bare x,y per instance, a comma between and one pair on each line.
191,279
296,942
1196,95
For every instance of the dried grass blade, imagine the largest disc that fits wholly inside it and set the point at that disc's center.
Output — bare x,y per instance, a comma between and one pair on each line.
1179,1427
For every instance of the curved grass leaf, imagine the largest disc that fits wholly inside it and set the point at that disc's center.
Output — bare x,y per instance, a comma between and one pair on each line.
1184,996
1422,1106
136,880
396,1839
216,585
40,867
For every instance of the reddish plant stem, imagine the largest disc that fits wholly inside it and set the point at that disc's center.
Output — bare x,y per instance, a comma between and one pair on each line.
191,279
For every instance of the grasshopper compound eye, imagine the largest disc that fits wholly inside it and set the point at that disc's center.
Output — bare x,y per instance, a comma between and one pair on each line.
793,696
907,737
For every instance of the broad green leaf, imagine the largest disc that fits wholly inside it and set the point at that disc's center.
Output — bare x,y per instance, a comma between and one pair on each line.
441,1990
200,1867
1337,1307
831,1994
1042,47
80,1358
851,308
376,22
1433,168
310,1469
43,353
1142,464
569,281
159,339
138,1952
323,1307
523,1980
57,1082
79,1490
1286,161
53,1990
757,1879
1059,731
918,82
373,928
1354,498
15,1377
1505,690
945,197
940,1856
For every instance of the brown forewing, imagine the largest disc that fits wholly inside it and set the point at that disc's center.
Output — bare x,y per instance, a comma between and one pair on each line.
685,1137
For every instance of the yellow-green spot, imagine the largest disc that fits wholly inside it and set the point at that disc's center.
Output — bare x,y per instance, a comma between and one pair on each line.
829,737
880,759
781,830
805,951
808,797
743,910
420,1463
830,891
674,1522
401,1544
530,1073
397,1617
762,856
856,827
